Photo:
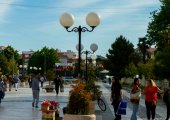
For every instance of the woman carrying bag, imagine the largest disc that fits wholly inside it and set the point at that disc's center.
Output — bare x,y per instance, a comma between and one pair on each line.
135,98
116,96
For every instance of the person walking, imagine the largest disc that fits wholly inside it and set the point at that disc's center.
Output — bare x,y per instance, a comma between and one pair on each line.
57,83
2,90
42,80
135,98
35,90
116,96
16,80
30,80
168,101
10,81
61,85
150,92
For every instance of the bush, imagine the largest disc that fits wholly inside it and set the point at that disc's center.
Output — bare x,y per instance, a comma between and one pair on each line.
79,100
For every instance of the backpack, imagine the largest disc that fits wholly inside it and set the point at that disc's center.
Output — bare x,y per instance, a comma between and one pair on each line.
165,96
16,79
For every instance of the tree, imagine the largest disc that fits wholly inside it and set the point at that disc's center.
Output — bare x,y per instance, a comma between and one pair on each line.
161,64
45,59
118,56
9,60
143,45
159,24
11,53
131,70
4,64
146,69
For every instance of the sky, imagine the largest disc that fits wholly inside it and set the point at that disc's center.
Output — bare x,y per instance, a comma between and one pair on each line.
32,24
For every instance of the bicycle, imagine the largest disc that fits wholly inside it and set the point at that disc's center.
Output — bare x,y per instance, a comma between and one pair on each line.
101,103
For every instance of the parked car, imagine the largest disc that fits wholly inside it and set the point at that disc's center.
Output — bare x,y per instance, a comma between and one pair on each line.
68,79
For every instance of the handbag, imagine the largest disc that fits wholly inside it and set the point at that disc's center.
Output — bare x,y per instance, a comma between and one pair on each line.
122,108
61,88
136,95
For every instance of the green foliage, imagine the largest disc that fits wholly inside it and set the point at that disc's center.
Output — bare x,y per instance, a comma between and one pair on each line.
161,64
131,70
118,57
13,66
45,58
9,60
50,75
159,23
11,53
143,44
4,64
146,69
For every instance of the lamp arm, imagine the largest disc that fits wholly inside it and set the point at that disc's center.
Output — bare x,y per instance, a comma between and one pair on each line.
84,29
87,52
75,29
80,29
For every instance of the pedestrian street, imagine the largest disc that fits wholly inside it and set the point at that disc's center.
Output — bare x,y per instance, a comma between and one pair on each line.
160,109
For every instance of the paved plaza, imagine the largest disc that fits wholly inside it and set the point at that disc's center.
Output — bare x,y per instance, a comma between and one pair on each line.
17,105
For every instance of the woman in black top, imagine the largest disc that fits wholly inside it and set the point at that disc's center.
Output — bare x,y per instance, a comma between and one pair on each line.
116,96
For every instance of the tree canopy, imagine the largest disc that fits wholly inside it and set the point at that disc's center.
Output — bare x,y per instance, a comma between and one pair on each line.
160,22
9,59
44,59
119,56
161,64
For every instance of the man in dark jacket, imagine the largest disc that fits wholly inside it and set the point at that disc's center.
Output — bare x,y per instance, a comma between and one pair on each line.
57,83
2,91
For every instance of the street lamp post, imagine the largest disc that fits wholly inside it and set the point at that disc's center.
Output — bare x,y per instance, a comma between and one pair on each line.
93,47
67,21
23,67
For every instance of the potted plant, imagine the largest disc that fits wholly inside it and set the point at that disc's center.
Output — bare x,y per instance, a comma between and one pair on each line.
24,80
50,109
50,75
79,105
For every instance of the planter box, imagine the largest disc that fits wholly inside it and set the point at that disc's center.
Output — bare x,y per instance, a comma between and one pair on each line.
48,115
79,117
49,88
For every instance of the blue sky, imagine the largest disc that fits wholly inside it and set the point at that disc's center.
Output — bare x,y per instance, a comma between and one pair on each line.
33,24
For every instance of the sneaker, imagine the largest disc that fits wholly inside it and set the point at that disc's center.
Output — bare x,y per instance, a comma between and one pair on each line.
36,106
32,104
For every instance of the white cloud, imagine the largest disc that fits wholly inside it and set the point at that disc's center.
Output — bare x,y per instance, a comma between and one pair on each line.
129,8
78,4
5,9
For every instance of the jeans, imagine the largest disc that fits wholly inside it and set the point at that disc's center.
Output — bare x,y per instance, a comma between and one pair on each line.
16,86
35,97
134,112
